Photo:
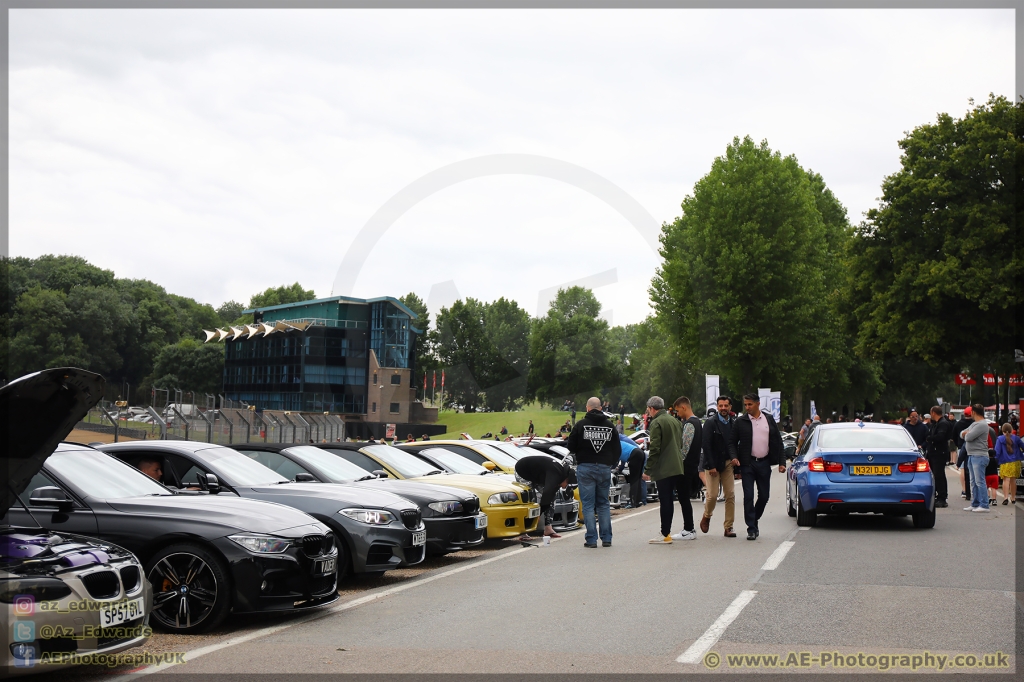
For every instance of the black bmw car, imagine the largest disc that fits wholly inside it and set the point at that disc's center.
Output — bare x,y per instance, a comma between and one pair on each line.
451,515
376,530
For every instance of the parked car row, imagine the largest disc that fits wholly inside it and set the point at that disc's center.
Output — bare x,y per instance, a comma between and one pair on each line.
180,534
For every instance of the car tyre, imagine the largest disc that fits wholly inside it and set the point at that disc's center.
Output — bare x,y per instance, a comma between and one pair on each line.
207,599
803,517
790,509
925,519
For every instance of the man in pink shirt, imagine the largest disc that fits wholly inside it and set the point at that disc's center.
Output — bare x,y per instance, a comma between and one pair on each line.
756,442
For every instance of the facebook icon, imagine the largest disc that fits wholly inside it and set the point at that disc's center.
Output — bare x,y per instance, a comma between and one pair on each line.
24,655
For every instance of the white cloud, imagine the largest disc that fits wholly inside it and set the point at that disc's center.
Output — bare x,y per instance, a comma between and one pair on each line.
221,152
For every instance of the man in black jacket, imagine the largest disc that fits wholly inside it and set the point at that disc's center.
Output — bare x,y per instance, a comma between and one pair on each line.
719,465
940,432
594,443
756,442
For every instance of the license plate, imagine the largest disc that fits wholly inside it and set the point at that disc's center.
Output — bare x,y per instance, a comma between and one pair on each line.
122,612
533,513
871,470
481,521
325,566
419,537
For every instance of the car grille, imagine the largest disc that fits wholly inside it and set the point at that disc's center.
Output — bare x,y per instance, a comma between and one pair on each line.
130,577
529,495
119,633
102,584
411,518
471,507
379,554
317,545
322,585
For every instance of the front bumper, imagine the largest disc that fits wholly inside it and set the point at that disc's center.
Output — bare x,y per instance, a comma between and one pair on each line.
510,520
565,515
379,548
53,634
280,582
450,534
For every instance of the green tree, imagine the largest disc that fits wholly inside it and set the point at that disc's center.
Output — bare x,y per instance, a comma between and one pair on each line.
229,311
571,350
742,289
281,295
507,330
460,344
190,366
425,361
937,267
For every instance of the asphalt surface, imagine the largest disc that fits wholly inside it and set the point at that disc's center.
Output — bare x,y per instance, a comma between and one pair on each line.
857,585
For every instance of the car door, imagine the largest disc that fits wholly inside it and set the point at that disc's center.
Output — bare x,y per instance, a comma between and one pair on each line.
80,520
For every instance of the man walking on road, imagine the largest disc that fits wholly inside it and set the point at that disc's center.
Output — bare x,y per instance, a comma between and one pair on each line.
665,467
719,466
691,451
976,441
595,445
756,442
940,431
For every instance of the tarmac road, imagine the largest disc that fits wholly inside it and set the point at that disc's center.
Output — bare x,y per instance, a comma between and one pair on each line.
861,584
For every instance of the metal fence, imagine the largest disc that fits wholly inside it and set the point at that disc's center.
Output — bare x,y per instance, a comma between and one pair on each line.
225,426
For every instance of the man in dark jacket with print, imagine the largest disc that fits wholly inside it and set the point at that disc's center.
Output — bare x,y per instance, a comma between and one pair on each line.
594,443
756,442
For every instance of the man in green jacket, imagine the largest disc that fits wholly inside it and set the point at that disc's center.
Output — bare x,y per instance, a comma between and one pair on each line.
665,467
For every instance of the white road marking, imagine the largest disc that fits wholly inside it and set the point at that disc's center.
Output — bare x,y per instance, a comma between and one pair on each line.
351,604
697,650
777,556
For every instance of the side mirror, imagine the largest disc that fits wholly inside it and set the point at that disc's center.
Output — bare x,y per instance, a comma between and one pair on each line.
51,497
208,482
380,473
305,478
490,466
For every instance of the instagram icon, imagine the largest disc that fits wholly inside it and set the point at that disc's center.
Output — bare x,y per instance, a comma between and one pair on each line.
24,605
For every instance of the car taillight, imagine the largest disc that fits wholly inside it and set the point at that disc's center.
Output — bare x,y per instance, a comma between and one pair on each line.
818,464
921,464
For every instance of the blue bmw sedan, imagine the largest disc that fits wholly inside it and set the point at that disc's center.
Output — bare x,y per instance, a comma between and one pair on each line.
858,467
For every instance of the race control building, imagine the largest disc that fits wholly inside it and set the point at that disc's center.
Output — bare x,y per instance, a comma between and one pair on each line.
347,356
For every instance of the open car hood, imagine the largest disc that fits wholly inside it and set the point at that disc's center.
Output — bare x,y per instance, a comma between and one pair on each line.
37,412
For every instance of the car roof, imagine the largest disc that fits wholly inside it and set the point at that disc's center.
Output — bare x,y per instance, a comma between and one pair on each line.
182,445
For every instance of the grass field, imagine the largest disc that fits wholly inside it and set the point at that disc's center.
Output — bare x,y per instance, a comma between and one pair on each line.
477,424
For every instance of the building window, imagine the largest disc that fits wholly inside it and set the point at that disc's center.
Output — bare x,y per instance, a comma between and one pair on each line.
395,408
374,407
396,379
374,378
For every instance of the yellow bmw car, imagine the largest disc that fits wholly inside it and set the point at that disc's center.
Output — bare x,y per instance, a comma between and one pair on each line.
511,508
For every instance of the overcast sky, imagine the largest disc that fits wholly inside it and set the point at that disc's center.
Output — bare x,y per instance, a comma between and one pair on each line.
221,152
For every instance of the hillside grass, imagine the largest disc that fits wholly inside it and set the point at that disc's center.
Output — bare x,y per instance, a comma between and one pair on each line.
476,424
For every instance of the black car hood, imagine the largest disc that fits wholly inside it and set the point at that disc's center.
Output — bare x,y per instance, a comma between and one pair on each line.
231,512
37,412
337,492
428,492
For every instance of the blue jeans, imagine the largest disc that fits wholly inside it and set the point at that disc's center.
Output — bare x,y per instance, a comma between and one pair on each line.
979,493
595,480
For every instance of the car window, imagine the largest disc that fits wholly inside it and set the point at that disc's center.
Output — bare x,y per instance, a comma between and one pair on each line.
456,463
337,469
367,464
237,469
865,438
40,480
186,473
275,461
134,459
471,455
100,476
402,462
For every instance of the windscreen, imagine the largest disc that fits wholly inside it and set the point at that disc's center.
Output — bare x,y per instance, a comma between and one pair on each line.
237,469
867,439
502,459
516,451
402,462
102,477
338,470
456,462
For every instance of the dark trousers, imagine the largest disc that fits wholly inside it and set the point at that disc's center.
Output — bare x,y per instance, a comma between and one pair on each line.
938,465
758,473
681,485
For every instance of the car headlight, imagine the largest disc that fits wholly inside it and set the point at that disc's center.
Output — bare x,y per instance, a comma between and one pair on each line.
39,589
375,517
261,544
503,498
446,508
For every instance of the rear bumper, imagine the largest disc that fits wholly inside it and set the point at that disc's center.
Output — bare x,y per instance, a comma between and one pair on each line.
817,492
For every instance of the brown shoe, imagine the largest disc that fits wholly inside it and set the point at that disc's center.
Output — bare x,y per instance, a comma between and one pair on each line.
729,533
705,524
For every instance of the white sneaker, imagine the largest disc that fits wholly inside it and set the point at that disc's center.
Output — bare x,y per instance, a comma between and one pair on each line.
980,509
685,535
969,508
721,498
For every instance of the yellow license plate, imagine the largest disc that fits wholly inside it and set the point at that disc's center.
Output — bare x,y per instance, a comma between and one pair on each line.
871,470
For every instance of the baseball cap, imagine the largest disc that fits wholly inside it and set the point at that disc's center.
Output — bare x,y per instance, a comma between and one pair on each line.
968,411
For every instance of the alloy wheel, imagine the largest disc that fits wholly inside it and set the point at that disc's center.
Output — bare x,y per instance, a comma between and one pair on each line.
184,590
